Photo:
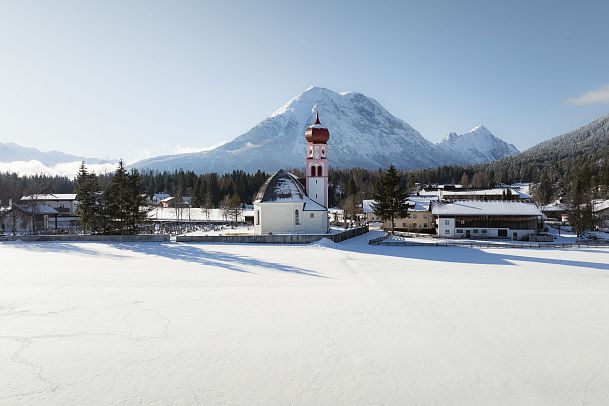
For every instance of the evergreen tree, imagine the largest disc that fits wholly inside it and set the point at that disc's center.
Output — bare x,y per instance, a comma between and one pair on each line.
135,203
117,201
390,198
87,195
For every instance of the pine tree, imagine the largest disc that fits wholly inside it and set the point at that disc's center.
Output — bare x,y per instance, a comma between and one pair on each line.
116,201
135,202
87,195
390,198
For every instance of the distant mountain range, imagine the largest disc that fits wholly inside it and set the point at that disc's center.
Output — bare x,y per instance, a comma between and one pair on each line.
10,152
363,134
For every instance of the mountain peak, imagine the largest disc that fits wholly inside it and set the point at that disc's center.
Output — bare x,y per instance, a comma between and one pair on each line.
478,145
364,134
480,130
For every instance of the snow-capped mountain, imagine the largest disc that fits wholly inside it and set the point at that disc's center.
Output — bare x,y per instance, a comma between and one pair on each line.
363,134
477,146
10,152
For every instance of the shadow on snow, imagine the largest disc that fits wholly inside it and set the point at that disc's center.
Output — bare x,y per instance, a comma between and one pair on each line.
202,255
466,255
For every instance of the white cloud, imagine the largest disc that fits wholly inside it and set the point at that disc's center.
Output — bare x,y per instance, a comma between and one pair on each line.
600,96
181,149
68,169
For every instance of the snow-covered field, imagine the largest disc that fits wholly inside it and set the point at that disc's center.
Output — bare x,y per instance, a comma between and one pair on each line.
159,324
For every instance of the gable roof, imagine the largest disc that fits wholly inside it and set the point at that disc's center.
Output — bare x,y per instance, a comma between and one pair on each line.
51,196
484,208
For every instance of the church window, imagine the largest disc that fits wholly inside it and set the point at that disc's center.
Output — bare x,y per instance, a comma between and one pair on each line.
319,171
312,170
296,217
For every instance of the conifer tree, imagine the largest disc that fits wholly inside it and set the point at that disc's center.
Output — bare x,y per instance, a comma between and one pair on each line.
87,195
390,198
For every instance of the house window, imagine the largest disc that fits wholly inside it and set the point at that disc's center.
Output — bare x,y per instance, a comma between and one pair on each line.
424,225
447,232
312,215
296,217
414,216
459,231
475,231
483,231
403,224
257,217
414,224
447,222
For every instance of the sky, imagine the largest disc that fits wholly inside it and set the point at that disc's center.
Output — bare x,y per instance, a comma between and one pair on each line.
133,79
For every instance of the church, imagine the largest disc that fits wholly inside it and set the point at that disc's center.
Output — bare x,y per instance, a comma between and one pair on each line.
283,206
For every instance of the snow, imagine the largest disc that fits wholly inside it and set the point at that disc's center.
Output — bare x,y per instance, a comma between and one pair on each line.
477,146
194,213
51,196
135,323
482,208
362,134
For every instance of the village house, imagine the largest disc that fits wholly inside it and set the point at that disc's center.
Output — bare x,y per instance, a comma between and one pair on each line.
368,210
487,219
28,219
418,220
601,212
65,204
557,211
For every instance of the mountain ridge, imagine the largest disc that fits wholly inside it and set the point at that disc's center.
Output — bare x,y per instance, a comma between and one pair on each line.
363,134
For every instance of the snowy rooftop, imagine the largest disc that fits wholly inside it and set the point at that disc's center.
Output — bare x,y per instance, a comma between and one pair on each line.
34,209
478,192
481,208
413,205
554,207
51,196
600,206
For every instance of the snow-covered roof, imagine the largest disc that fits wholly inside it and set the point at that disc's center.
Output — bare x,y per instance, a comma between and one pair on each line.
367,206
167,199
600,206
281,186
284,187
484,208
413,205
33,209
418,205
556,207
478,192
51,196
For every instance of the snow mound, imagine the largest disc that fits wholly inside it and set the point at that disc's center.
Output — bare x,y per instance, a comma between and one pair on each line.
324,243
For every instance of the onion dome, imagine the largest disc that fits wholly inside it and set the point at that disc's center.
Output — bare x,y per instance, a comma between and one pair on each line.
317,133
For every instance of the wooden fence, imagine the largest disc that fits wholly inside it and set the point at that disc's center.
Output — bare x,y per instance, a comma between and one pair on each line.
478,244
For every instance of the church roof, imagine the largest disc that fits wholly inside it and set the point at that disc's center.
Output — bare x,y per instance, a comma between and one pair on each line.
317,133
284,187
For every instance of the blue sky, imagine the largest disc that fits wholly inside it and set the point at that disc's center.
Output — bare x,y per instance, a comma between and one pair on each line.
136,78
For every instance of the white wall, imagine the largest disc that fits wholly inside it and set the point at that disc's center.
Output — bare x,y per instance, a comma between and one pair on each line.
278,218
446,227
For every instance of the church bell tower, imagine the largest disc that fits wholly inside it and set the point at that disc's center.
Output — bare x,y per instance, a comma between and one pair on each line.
317,162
